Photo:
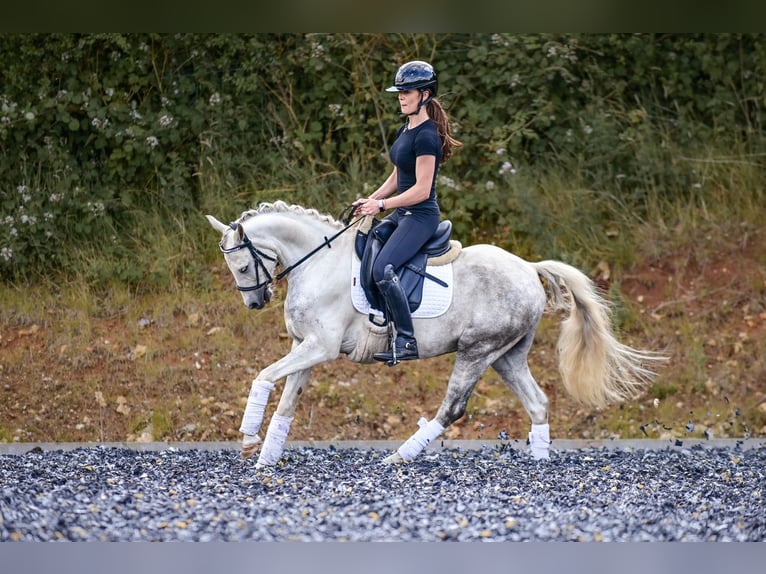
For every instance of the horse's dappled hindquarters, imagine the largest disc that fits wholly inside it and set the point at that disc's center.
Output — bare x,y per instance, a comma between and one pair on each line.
498,301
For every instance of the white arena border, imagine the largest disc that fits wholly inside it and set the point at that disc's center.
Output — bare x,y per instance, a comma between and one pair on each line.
391,445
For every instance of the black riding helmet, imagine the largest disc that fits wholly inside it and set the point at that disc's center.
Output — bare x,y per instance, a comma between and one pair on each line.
416,75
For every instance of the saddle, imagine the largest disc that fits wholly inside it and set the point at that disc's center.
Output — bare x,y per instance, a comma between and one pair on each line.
412,274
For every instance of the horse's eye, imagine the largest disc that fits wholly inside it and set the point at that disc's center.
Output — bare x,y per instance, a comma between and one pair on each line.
243,270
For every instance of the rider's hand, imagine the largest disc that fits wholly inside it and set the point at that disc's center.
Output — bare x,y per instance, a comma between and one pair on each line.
367,206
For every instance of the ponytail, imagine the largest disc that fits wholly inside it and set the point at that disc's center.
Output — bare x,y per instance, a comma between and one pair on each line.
439,116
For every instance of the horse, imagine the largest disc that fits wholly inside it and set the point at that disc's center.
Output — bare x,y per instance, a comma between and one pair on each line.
497,303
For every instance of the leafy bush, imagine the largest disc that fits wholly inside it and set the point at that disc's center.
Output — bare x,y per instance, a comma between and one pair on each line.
99,132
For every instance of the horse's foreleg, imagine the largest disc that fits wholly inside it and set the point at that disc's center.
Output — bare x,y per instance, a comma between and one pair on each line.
301,357
253,417
279,427
413,446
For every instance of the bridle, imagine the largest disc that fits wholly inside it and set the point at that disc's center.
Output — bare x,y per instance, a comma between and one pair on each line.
259,256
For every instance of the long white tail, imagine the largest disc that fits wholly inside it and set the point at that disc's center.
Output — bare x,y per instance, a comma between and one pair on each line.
596,368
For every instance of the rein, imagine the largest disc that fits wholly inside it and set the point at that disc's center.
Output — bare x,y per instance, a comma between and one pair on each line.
259,256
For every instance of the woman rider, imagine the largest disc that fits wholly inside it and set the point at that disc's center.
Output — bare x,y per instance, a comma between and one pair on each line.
422,143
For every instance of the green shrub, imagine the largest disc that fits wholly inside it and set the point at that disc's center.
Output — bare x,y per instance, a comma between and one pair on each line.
101,133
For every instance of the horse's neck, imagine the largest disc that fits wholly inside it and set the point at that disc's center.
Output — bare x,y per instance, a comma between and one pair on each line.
290,236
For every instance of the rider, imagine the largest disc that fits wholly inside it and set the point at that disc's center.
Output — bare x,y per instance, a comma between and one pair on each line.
422,143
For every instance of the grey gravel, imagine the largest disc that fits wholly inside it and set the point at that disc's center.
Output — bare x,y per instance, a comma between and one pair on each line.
327,494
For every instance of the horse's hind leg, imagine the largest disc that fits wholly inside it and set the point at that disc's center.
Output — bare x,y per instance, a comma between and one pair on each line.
514,370
465,374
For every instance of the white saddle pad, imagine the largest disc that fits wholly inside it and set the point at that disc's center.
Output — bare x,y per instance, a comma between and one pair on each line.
436,299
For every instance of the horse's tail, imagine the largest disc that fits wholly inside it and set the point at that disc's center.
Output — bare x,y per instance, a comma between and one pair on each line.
596,368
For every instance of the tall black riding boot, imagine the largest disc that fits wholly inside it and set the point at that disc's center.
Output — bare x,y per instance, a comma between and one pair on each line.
405,346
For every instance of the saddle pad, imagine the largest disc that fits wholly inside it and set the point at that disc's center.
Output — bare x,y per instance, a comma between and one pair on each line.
436,299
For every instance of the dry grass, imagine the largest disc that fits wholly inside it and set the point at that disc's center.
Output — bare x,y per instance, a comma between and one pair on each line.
84,361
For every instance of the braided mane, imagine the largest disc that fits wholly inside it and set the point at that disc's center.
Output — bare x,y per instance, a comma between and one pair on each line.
280,206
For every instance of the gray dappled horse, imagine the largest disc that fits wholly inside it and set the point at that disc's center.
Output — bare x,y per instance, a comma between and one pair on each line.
497,303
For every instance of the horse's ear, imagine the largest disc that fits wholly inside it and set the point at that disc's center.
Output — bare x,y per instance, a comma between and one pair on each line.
217,225
240,231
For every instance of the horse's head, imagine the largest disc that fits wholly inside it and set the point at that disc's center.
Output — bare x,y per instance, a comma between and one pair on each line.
252,268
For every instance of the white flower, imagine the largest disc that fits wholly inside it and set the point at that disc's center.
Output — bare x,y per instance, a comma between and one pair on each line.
507,167
500,151
317,50
29,116
490,185
166,120
335,109
6,253
109,92
23,190
152,141
96,208
499,40
215,99
448,182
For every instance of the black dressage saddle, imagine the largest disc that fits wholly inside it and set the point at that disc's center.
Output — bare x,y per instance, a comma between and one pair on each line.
412,274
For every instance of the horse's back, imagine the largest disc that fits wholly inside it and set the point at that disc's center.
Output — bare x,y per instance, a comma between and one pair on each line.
487,276
498,266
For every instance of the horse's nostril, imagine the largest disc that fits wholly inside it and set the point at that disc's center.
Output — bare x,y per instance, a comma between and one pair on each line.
254,305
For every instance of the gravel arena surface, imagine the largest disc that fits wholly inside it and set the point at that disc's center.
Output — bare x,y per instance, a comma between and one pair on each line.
493,492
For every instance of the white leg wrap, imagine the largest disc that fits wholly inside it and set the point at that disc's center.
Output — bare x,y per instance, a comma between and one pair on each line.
540,441
256,406
414,445
274,443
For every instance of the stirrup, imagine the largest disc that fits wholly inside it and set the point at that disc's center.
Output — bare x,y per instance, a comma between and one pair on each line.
408,351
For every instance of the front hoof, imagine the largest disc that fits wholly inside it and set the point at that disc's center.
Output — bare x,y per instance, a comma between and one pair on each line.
394,458
250,445
540,454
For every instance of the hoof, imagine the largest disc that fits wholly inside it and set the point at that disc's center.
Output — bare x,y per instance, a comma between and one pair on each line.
394,458
250,445
539,454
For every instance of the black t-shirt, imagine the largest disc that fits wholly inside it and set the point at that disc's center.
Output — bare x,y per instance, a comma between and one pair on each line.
409,144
